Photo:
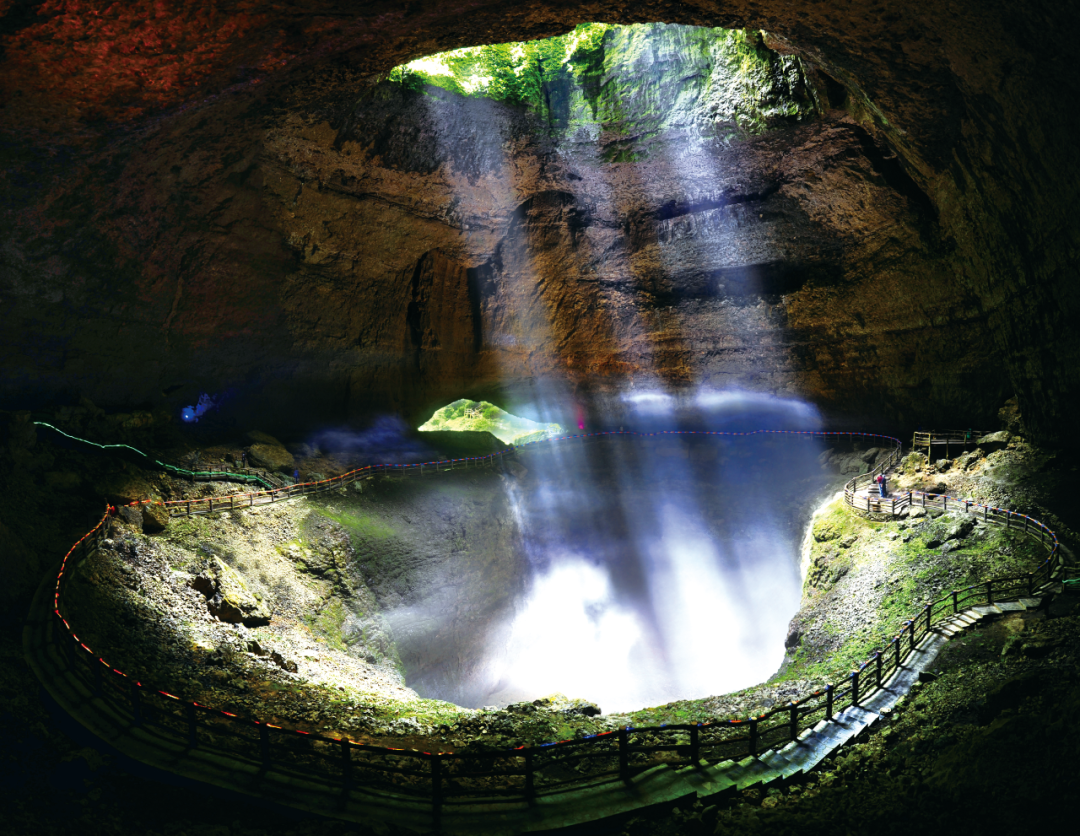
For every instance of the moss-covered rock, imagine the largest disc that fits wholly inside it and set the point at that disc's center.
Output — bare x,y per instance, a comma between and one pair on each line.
228,596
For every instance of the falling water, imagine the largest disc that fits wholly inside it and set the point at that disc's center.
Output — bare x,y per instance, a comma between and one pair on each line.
662,569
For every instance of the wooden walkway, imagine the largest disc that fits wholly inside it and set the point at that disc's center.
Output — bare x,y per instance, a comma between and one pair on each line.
781,745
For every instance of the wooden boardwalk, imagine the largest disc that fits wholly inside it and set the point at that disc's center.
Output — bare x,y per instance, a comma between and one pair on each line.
435,792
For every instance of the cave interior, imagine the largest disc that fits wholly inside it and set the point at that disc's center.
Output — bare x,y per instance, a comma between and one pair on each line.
288,218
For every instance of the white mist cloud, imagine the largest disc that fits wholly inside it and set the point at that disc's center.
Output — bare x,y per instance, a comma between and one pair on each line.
572,636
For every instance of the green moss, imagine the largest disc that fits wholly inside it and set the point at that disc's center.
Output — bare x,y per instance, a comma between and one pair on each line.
359,525
916,574
328,622
186,528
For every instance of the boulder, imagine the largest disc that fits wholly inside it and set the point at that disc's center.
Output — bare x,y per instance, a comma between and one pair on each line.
994,441
913,463
263,438
582,708
132,514
272,457
228,597
154,517
123,488
960,530
970,460
1009,415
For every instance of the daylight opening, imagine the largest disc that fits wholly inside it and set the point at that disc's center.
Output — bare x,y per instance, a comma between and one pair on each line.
480,416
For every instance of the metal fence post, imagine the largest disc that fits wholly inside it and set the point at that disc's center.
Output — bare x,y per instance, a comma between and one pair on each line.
955,603
911,633
879,663
346,763
990,592
753,737
695,744
264,744
855,688
624,754
136,707
929,614
828,702
192,727
530,780
793,721
436,790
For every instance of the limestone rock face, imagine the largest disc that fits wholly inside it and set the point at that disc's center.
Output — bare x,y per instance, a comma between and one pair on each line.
332,247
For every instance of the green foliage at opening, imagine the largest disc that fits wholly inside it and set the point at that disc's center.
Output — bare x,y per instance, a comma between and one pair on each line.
480,416
623,85
511,72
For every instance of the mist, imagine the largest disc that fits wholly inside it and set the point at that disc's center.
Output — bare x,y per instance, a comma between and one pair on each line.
663,567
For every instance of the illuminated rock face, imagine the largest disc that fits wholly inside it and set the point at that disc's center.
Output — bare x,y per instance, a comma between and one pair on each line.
907,256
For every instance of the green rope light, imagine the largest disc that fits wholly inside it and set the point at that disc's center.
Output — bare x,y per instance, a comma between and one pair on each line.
238,477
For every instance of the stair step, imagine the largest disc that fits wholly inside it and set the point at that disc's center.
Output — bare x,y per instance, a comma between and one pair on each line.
756,772
1031,603
857,719
776,762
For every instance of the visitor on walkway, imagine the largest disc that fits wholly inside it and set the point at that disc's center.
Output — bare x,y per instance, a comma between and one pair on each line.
880,479
296,477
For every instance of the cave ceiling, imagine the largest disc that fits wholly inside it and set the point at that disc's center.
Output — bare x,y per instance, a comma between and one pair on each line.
206,196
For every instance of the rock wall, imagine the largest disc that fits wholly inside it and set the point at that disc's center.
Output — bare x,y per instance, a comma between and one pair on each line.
906,257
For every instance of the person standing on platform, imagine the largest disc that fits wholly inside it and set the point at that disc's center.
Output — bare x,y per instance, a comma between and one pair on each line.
880,479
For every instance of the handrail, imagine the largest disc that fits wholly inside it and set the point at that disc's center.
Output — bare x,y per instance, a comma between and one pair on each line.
242,475
619,753
929,438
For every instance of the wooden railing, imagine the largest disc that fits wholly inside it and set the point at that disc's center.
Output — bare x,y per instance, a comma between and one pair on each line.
213,504
528,771
945,438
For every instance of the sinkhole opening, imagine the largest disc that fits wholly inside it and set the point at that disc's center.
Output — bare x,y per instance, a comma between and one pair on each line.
623,87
